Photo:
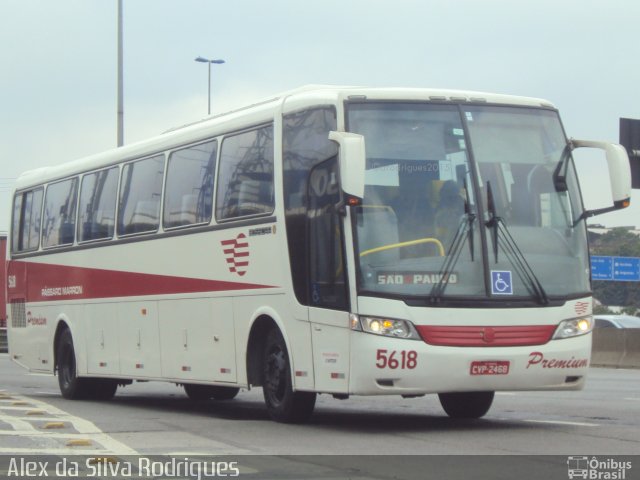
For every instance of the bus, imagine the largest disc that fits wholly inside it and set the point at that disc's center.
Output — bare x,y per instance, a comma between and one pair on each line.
345,241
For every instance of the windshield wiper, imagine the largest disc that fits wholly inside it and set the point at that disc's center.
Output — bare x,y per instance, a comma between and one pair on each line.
470,217
494,220
465,227
502,238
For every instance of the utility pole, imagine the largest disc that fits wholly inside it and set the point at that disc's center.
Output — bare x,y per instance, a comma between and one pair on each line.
120,120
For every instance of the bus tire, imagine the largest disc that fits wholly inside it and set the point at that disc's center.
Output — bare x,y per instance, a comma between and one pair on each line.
206,392
283,404
466,404
72,387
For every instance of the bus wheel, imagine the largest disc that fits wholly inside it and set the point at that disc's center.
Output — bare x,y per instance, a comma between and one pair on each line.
206,392
466,404
71,386
283,404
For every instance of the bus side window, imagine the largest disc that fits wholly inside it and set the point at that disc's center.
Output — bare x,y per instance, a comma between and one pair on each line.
189,186
245,177
140,192
98,195
27,213
16,230
60,213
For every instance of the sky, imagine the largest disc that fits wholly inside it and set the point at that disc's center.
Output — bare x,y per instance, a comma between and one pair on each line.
59,66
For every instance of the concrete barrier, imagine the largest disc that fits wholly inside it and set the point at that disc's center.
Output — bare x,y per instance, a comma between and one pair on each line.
616,348
608,347
631,358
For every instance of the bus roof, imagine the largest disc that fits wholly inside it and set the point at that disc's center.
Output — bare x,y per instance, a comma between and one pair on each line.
262,111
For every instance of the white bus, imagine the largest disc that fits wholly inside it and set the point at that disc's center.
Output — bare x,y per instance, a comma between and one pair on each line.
346,241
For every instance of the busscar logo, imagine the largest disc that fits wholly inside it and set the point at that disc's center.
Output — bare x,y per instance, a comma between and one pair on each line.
236,252
582,307
597,468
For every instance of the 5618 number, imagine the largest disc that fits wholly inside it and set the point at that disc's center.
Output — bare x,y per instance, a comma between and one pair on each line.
403,359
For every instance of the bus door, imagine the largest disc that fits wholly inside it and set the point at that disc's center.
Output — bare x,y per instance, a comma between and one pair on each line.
329,300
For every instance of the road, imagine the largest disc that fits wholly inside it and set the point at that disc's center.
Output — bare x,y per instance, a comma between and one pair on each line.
158,418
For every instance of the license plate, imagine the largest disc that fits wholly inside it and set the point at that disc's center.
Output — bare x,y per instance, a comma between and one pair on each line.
490,368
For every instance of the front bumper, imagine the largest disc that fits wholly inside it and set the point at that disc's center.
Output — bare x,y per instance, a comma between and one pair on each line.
382,366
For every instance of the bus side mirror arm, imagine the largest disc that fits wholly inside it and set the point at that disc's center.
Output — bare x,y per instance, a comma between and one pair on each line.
619,175
352,163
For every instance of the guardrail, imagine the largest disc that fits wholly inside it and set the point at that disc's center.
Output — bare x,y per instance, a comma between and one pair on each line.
616,348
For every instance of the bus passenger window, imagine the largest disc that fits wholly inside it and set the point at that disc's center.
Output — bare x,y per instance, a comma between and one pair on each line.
60,213
245,177
15,227
27,213
140,192
98,205
189,187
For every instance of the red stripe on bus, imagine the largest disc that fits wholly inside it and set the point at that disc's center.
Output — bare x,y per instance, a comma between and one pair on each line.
60,282
486,336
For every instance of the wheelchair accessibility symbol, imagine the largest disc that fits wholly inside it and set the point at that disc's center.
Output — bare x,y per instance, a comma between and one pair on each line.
501,282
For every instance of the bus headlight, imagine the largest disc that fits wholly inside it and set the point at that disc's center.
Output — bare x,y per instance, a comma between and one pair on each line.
573,327
388,327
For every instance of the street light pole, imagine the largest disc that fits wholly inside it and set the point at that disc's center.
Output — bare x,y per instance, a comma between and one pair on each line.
120,119
206,60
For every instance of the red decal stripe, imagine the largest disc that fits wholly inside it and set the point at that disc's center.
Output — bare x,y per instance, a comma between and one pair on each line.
59,282
486,336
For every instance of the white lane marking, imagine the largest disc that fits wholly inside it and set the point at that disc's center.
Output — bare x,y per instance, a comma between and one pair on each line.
506,393
81,426
17,424
561,422
18,409
632,399
56,451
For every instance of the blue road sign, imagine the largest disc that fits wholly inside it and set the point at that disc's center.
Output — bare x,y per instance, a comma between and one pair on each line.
619,269
626,269
601,268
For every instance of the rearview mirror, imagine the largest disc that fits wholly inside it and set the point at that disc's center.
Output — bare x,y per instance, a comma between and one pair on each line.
619,174
352,159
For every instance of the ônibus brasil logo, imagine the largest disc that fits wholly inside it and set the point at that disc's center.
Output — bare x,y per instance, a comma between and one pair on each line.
596,468
236,251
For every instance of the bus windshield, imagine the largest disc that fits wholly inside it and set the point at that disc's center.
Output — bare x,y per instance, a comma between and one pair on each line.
467,201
